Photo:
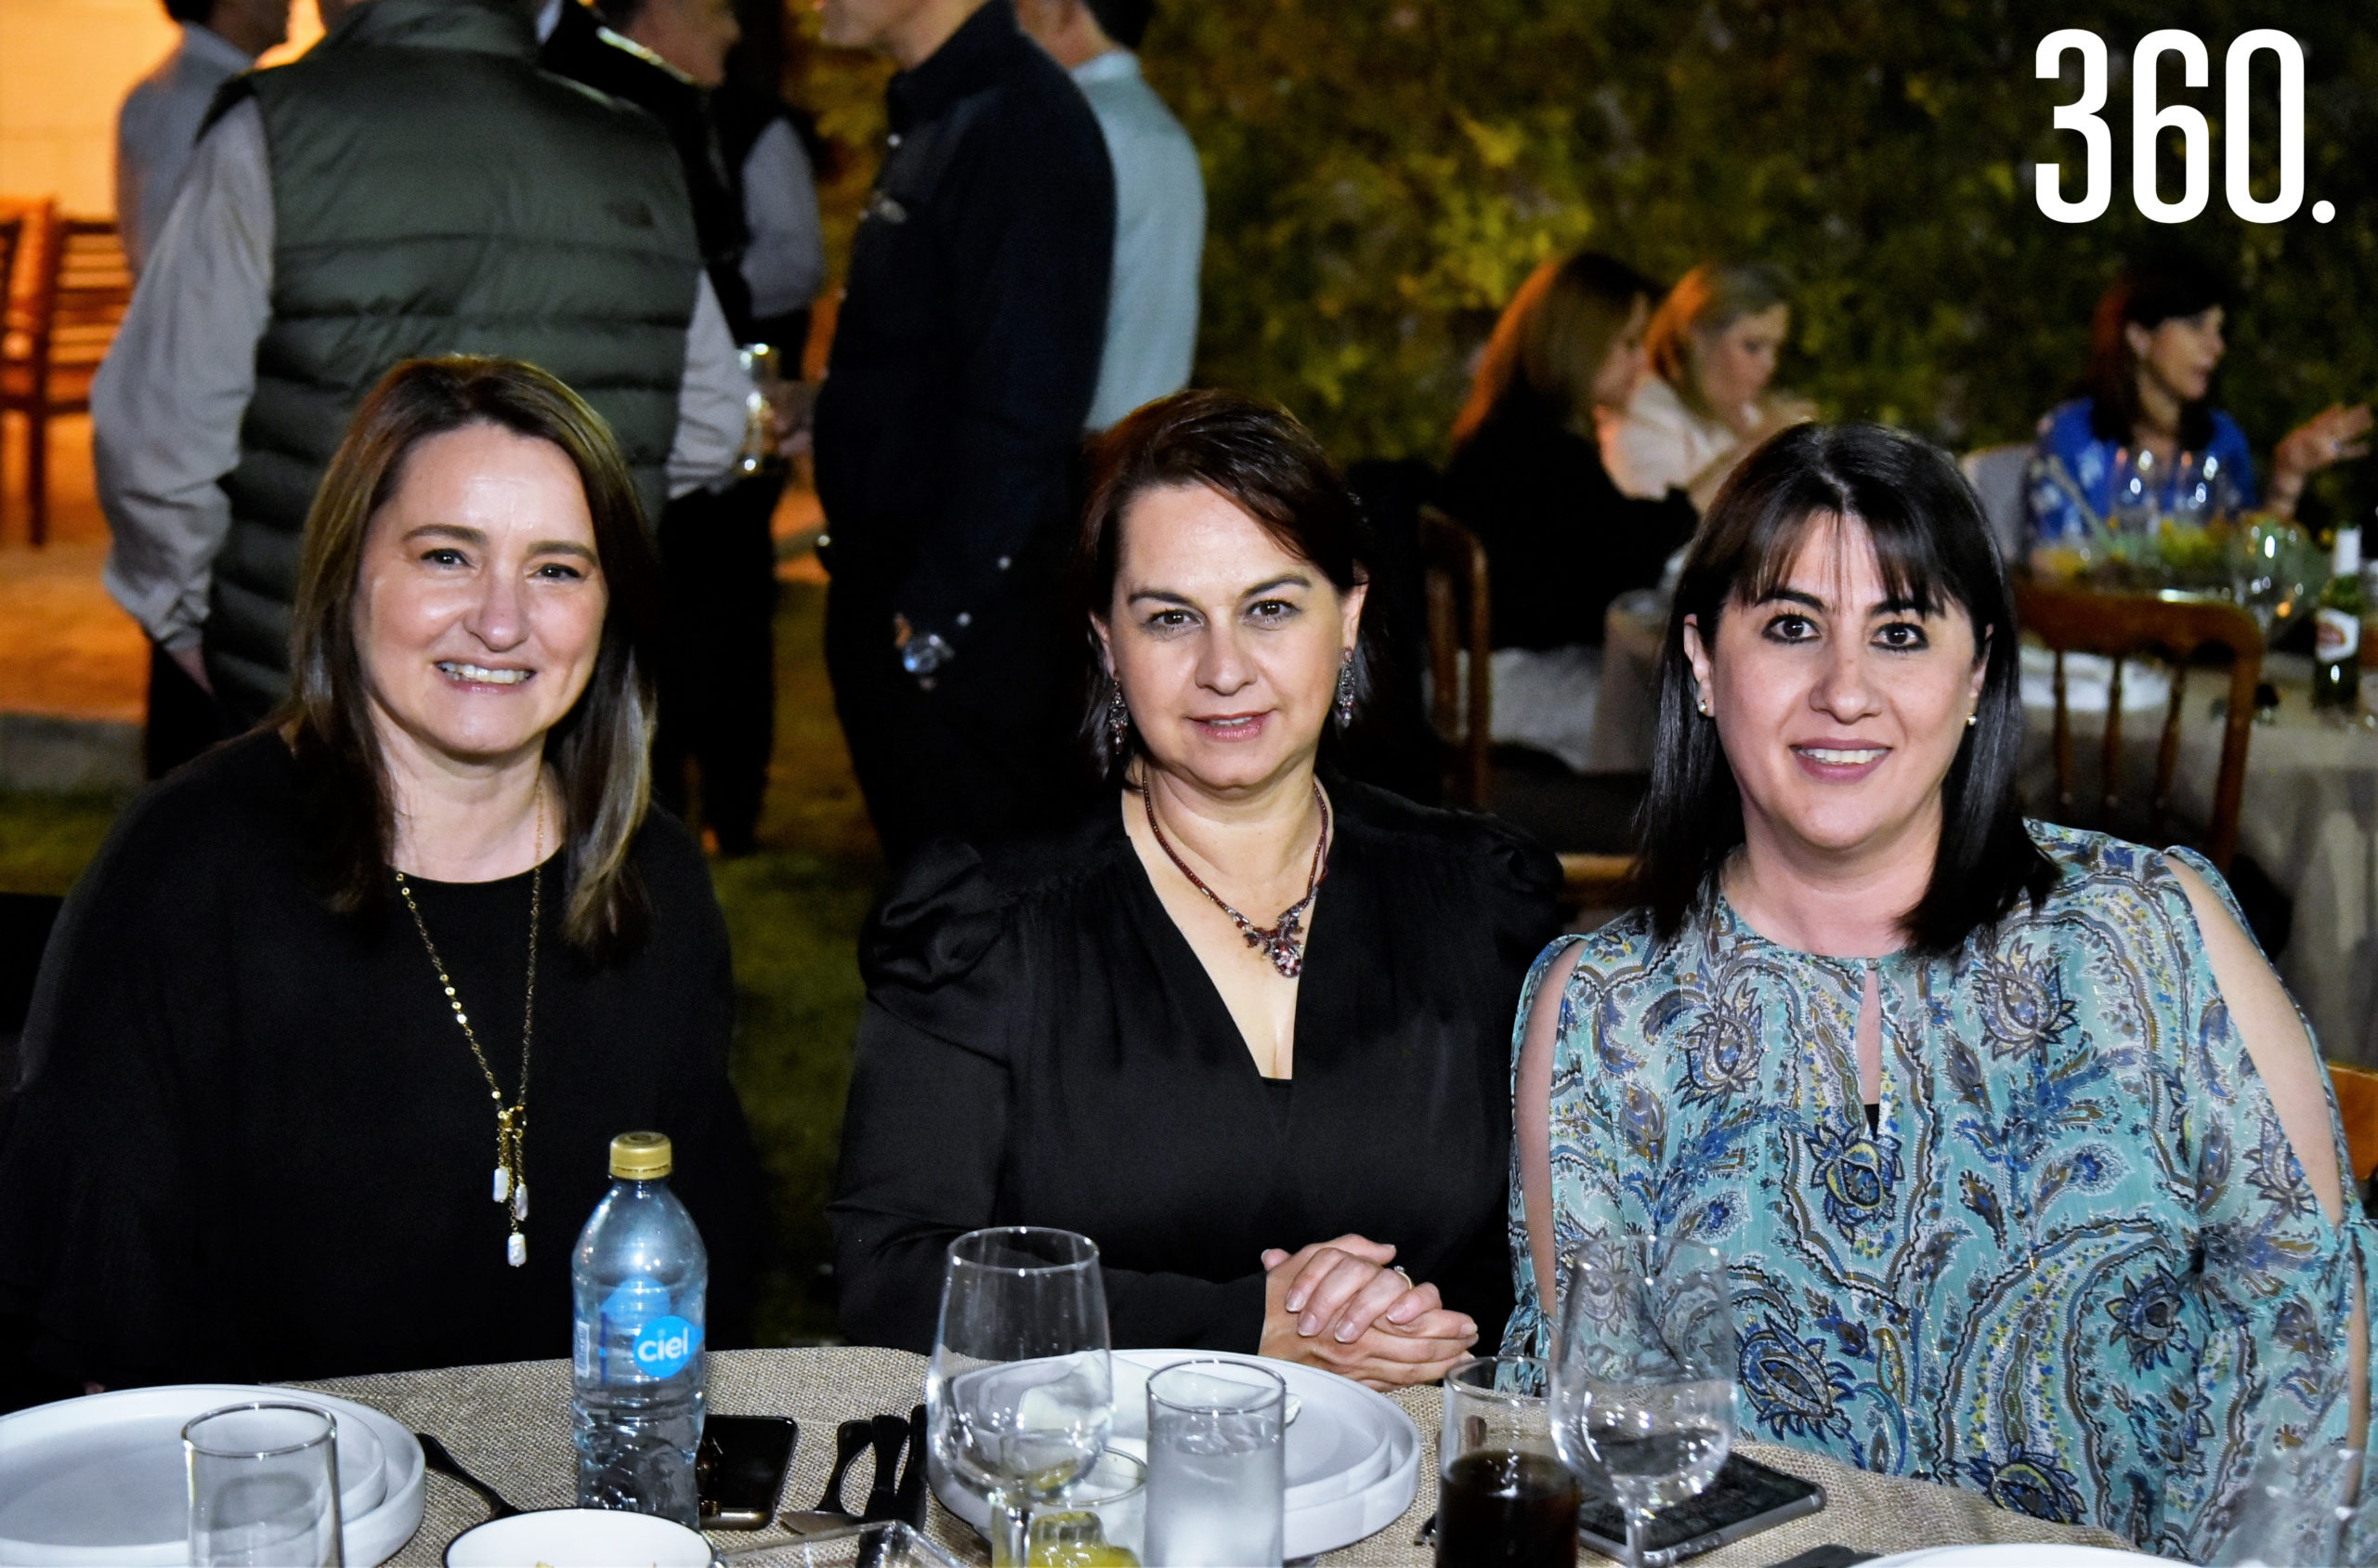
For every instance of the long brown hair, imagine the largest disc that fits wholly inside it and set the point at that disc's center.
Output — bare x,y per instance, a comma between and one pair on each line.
1706,301
599,750
1550,341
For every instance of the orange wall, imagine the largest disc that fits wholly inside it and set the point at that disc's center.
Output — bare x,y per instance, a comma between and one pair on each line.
64,67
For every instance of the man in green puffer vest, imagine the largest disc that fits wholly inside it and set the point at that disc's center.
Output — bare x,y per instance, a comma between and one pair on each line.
413,185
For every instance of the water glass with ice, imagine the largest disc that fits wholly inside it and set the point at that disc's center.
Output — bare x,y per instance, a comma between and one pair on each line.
264,1487
1216,1465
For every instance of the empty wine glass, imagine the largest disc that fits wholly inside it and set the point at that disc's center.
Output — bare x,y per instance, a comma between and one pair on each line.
1643,1374
1020,1389
2134,501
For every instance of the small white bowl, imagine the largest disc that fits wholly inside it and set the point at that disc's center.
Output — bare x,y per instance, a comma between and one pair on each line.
579,1538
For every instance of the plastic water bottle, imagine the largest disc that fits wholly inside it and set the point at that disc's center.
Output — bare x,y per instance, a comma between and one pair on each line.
637,1371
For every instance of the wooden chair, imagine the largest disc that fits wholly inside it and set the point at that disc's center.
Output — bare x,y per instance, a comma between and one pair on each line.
1462,705
2125,626
78,286
2357,1089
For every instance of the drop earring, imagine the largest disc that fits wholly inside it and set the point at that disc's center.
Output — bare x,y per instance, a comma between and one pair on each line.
1119,726
1346,688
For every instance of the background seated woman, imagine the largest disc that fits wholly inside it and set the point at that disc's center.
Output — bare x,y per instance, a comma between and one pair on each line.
258,1115
2154,346
2023,1162
1713,344
1527,478
1243,1026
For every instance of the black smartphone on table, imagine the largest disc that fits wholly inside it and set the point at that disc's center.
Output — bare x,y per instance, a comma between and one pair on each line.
739,1469
1745,1498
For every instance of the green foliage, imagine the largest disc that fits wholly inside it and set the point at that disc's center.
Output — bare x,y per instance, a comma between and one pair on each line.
1382,173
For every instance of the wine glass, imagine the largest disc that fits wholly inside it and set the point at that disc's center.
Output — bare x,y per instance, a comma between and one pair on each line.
1021,1390
2296,1507
2133,499
1643,1374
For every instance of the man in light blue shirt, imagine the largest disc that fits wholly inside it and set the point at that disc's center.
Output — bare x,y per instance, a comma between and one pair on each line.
1159,201
157,129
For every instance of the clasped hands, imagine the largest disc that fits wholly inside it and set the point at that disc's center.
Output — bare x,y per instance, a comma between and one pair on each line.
1337,1304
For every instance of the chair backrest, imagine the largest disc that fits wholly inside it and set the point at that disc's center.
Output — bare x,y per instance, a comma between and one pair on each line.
25,291
2125,626
12,234
91,285
2356,1092
1997,475
1454,582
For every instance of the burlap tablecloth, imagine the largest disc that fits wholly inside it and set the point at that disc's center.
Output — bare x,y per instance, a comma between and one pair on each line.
509,1425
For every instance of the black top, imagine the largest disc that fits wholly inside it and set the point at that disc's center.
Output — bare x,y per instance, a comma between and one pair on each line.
967,347
251,1143
583,50
1562,540
1041,1046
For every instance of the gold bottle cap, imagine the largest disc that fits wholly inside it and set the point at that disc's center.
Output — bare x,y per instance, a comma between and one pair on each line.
641,1156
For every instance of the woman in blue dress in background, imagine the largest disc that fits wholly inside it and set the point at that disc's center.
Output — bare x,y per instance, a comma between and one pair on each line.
2022,1162
2154,346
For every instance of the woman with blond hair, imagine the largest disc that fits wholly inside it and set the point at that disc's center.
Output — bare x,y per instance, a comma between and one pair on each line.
1713,346
340,995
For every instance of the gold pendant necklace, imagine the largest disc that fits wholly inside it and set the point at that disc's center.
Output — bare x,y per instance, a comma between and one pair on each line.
511,1122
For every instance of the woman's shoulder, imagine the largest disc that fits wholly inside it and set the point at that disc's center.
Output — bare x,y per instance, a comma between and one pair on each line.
2068,428
2114,884
1475,844
954,901
235,805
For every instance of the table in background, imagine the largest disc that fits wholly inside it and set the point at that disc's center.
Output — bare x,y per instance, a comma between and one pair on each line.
2310,818
509,1425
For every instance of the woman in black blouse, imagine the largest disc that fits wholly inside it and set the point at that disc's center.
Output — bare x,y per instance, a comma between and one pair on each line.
287,1012
1527,476
1245,1026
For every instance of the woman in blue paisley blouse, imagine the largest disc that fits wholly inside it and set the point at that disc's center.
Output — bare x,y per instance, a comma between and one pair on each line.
2022,1161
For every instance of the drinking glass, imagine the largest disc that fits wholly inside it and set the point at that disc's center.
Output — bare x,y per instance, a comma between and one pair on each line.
264,1487
760,363
1216,1465
2133,499
1503,1494
1643,1374
2297,1506
1020,1390
1099,1522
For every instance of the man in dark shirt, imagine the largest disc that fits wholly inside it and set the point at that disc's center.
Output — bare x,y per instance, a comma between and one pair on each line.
964,358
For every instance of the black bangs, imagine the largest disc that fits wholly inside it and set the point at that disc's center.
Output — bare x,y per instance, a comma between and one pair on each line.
1757,560
1933,550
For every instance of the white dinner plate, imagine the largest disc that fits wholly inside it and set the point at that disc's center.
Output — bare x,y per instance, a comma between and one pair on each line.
578,1538
1354,1457
101,1481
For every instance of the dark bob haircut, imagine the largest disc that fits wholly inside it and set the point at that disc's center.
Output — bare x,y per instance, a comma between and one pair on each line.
2146,294
1253,455
1933,549
599,750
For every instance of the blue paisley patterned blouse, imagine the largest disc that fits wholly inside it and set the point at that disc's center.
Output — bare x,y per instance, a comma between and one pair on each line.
2077,1268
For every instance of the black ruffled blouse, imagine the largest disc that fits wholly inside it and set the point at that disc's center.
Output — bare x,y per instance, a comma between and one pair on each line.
1041,1046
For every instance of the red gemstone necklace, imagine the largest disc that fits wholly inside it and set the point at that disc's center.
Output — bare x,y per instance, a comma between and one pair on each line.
1283,943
